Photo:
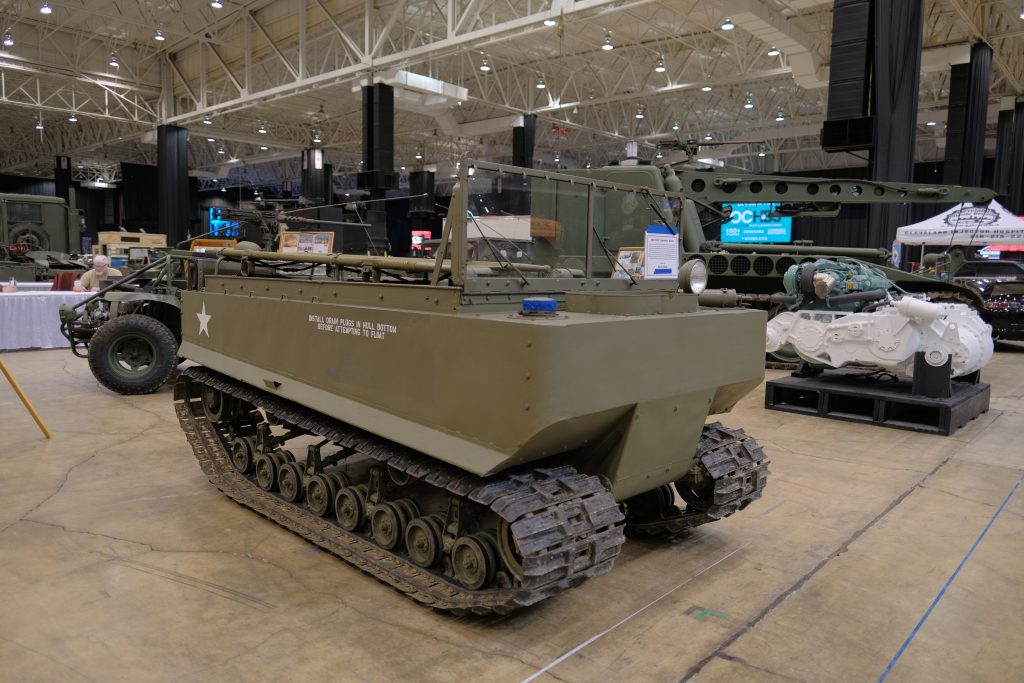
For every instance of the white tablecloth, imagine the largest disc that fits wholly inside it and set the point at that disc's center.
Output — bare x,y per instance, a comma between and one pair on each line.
30,320
34,286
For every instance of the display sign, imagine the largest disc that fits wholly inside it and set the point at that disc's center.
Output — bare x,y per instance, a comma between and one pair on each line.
661,253
754,223
219,226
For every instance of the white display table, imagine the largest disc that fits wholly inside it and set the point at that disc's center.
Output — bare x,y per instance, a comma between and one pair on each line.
30,319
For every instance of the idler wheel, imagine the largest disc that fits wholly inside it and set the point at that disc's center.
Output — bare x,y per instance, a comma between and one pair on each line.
697,488
652,504
289,481
423,540
320,492
242,454
214,404
350,508
388,522
473,560
267,465
508,549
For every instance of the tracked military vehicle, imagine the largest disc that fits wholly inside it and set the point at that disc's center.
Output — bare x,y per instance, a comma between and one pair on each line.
756,271
478,433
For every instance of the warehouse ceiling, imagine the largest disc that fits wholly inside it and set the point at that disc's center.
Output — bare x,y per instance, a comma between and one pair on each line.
256,81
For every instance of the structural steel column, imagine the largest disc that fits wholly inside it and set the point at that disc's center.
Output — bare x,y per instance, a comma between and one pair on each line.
522,155
968,108
62,180
172,182
898,28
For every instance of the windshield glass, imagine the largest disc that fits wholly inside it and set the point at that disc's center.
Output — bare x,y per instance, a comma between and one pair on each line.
565,224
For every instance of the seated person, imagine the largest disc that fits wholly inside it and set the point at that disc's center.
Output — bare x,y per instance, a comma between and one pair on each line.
101,270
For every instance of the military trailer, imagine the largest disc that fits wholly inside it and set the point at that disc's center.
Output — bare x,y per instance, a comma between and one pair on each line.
479,434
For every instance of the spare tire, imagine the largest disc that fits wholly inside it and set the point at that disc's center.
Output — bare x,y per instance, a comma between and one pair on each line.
133,354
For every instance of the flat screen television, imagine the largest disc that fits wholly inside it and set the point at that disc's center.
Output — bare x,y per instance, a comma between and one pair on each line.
753,222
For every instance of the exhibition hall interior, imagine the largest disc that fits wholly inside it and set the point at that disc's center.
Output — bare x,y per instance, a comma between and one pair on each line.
516,340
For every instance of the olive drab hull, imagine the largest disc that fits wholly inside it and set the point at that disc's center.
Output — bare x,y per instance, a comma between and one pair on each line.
481,387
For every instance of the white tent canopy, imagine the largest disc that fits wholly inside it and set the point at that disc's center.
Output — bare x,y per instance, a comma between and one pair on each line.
966,224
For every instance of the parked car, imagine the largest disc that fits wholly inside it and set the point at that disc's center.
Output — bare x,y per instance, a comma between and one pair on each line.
1004,303
990,269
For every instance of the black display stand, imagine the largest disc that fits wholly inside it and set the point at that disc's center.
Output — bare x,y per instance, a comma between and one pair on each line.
933,403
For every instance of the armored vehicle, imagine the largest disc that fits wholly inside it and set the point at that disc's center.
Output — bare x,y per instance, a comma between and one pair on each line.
479,434
755,271
35,234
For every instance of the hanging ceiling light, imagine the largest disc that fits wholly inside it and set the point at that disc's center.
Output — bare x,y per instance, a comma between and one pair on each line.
39,123
264,148
706,88
639,111
588,163
159,36
607,44
216,4
659,66
223,189
748,103
557,158
727,25
774,51
550,21
932,123
220,150
540,83
419,154
207,121
46,9
760,154
8,40
709,137
73,118
262,130
211,139
659,155
113,61
316,137
780,116
485,65
675,125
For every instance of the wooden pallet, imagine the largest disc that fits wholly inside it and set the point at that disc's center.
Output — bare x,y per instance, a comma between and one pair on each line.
849,396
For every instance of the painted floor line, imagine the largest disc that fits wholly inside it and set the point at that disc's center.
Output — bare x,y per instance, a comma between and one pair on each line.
949,582
555,662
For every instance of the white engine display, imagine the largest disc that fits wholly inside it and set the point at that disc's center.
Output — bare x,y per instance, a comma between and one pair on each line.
887,337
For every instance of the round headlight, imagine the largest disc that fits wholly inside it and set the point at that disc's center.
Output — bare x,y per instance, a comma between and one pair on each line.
693,276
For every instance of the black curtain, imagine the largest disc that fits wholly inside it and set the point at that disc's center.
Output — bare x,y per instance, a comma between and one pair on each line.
172,186
139,197
1015,199
899,26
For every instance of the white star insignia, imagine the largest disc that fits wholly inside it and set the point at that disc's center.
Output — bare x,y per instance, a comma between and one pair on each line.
204,321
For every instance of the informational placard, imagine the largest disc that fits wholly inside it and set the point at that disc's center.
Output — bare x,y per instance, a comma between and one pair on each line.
631,263
306,242
661,253
755,223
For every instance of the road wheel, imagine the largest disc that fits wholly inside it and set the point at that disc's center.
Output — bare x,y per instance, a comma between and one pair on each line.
132,354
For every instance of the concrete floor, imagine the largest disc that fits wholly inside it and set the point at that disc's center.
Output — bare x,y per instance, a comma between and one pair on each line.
121,562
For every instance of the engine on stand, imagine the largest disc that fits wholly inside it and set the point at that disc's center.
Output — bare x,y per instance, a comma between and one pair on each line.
892,358
845,313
